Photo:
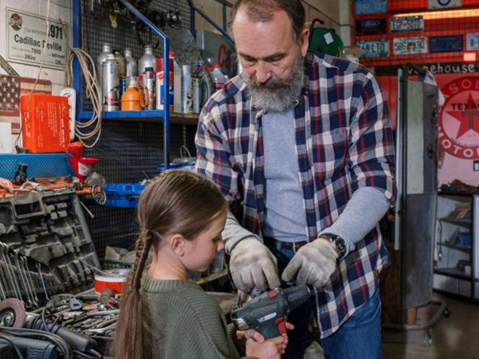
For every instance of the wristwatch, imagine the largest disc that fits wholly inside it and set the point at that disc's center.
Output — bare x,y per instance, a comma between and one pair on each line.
338,243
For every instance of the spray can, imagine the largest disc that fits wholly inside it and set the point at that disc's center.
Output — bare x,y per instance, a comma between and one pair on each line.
186,90
159,85
120,60
171,88
196,94
110,84
131,64
147,60
149,83
99,62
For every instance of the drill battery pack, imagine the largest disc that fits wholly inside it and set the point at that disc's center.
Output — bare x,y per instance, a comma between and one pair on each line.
45,123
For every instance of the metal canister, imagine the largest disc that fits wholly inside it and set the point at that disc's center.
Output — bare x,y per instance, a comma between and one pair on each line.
149,80
120,60
147,60
99,63
110,84
196,94
131,64
186,90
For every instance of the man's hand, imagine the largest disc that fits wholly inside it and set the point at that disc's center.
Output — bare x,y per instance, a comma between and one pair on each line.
314,263
252,265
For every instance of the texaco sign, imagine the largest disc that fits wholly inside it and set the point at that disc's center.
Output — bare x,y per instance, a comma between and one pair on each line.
459,118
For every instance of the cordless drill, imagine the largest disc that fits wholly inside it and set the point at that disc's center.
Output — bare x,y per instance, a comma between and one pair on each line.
268,312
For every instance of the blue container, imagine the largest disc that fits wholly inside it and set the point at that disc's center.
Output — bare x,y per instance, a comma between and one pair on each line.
124,195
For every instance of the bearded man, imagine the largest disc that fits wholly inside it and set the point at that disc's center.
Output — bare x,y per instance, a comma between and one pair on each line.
302,148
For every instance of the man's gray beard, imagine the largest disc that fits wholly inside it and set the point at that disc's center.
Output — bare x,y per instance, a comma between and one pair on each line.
277,96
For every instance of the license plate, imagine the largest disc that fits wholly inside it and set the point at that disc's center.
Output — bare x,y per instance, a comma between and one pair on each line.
472,40
364,7
452,43
377,48
410,45
407,23
370,27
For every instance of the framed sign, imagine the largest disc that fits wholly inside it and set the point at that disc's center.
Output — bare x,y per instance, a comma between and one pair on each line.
26,38
472,41
450,43
364,7
443,4
407,23
377,48
370,27
410,45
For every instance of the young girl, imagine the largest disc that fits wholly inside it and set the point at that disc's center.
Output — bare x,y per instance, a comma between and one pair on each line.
164,315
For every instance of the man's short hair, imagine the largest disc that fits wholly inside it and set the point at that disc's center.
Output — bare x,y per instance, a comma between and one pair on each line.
263,11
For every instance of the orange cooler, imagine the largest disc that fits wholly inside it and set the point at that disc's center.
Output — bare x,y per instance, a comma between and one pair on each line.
45,123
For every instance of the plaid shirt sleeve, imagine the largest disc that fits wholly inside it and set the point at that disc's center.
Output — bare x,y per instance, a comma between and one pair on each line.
371,149
213,158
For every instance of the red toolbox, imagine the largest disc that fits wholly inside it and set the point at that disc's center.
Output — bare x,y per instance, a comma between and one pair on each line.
45,123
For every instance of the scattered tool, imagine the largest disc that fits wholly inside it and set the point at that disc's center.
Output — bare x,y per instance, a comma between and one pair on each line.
268,312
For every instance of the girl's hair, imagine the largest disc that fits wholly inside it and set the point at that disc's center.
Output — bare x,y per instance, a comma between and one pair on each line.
176,202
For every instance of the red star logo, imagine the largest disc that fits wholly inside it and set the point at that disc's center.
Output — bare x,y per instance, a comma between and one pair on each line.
468,118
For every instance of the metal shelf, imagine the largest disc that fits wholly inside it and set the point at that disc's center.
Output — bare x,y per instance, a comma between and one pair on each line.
150,115
464,222
452,272
467,248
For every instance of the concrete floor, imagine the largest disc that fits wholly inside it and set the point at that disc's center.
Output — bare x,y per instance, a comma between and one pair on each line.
455,337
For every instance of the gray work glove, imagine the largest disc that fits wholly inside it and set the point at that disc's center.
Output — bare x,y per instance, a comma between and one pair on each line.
252,265
314,263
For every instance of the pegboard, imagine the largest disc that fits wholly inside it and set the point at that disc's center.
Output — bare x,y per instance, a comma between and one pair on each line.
129,151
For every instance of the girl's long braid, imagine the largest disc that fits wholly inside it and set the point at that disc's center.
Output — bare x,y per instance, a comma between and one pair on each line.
143,245
129,344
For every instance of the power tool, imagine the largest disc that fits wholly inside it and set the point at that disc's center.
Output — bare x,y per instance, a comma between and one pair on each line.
268,312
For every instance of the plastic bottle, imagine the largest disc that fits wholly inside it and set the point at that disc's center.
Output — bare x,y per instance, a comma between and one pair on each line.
147,60
219,78
131,64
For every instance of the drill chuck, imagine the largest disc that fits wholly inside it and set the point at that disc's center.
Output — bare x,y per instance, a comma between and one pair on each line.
296,296
268,312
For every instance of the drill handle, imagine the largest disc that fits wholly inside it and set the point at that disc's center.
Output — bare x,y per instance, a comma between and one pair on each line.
273,330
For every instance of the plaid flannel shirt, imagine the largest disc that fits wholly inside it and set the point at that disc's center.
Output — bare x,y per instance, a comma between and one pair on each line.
343,142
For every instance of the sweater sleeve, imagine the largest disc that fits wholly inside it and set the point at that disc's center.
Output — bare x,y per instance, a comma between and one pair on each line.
202,331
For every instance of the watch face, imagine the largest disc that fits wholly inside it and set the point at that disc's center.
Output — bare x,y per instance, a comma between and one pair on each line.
340,245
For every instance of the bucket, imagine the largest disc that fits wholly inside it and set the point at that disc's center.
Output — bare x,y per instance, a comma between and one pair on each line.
111,279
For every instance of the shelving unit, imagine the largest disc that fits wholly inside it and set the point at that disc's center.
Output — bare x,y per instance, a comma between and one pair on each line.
456,268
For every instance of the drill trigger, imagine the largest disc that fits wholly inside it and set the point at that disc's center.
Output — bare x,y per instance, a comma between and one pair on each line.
281,325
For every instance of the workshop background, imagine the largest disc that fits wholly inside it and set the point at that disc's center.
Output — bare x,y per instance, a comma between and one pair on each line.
68,209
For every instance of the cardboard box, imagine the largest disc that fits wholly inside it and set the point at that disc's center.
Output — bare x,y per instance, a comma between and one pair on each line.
45,123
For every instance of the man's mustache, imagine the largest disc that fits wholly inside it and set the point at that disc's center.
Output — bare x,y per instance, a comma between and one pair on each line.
268,85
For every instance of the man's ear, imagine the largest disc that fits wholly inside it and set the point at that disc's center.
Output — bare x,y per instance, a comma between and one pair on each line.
304,42
177,244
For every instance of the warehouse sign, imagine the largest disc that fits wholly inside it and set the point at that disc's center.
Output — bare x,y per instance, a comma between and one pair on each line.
378,48
26,39
459,118
410,45
443,4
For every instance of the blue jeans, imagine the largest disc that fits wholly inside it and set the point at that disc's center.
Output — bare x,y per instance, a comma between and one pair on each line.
358,337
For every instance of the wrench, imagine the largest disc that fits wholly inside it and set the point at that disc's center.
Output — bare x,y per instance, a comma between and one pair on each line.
39,267
11,274
4,279
24,263
100,330
23,280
